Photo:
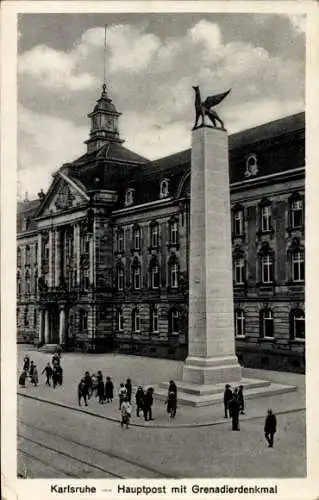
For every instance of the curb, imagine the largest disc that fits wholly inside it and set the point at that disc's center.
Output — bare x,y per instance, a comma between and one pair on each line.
154,426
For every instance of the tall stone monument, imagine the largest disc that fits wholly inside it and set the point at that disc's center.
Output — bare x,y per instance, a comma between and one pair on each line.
211,344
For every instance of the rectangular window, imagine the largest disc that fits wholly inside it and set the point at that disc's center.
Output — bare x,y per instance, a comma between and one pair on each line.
240,324
266,218
154,236
268,324
137,239
238,223
120,321
137,278
266,269
85,279
120,279
83,320
154,320
298,266
297,213
155,277
174,276
120,241
175,323
174,233
299,327
239,271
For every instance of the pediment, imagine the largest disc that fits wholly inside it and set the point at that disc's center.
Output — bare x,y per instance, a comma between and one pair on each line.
61,198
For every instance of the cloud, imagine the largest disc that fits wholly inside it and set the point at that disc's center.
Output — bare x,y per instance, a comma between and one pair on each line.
150,81
45,143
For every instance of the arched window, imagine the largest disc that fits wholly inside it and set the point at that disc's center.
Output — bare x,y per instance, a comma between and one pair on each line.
136,238
83,320
136,274
239,323
174,321
120,277
27,255
154,273
26,316
251,165
296,211
173,268
173,232
154,319
120,320
297,324
136,320
266,324
19,283
266,260
164,188
119,240
27,282
18,257
154,234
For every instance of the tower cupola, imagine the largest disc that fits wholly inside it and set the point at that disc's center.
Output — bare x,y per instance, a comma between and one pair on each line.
104,123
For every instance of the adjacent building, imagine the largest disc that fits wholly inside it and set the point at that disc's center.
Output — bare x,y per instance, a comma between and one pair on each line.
103,256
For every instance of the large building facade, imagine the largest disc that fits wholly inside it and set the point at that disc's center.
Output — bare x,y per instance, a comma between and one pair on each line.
103,256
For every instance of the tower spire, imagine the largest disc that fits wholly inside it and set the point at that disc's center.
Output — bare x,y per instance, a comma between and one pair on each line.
104,60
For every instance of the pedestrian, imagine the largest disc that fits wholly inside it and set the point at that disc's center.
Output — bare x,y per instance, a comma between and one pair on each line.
59,351
171,404
31,369
109,389
57,376
228,396
148,403
35,377
23,378
100,387
48,372
122,394
234,410
128,387
55,359
126,411
94,384
88,381
83,392
241,399
172,387
270,428
139,399
26,363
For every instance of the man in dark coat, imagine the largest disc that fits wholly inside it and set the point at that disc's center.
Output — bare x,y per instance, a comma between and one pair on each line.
139,399
172,387
26,363
270,428
241,400
109,389
228,396
83,392
48,372
128,387
148,403
88,381
234,411
57,376
100,387
171,404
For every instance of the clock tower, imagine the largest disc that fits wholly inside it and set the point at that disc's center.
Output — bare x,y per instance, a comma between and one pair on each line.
104,123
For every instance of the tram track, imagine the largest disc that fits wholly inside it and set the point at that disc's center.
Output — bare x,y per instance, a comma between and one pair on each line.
119,461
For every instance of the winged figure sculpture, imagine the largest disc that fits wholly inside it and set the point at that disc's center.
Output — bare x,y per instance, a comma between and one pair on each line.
204,108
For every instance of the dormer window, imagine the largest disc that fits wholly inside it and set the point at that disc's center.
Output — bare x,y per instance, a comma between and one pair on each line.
164,188
129,197
251,165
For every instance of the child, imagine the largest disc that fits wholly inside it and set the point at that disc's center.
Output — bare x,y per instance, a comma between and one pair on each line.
122,394
126,411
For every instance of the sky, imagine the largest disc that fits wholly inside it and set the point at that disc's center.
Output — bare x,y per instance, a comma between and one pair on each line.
152,61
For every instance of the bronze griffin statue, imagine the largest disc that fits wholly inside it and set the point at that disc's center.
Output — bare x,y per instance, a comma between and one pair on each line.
203,108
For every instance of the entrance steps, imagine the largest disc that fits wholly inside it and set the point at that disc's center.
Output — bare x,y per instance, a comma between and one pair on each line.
51,348
196,395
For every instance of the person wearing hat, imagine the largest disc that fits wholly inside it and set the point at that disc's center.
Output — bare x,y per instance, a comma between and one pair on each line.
270,428
228,396
233,406
139,399
109,389
83,392
241,399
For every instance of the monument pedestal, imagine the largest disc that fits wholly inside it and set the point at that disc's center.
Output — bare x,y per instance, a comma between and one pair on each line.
211,361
